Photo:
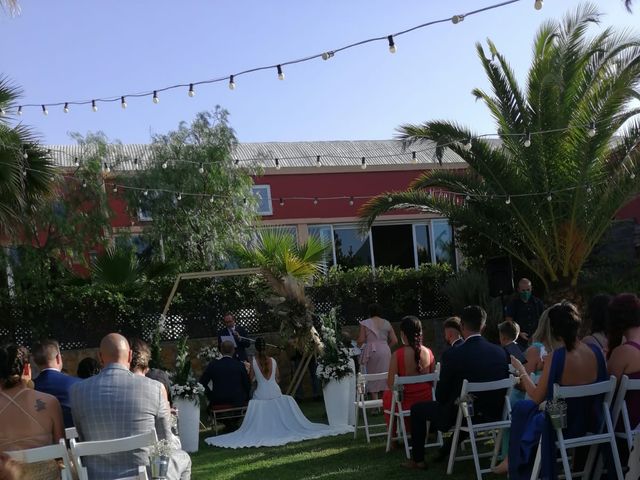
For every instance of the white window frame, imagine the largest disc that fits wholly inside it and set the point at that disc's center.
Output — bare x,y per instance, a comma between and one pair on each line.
267,191
333,243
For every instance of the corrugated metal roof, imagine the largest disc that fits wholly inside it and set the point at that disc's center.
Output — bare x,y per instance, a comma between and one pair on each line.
339,153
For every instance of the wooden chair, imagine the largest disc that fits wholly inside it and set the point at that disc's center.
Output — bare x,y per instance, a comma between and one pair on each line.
473,429
396,412
50,452
222,412
104,447
361,403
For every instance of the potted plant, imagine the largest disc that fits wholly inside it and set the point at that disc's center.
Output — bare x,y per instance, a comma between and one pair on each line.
159,459
186,392
335,369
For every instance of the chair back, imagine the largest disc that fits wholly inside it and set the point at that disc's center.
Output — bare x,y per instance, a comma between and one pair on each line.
468,387
606,388
70,433
424,378
40,454
620,408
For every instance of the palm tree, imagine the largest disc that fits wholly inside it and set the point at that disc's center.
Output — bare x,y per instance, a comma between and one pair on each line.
546,199
25,168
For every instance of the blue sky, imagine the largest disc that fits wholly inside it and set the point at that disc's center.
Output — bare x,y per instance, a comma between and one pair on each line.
78,49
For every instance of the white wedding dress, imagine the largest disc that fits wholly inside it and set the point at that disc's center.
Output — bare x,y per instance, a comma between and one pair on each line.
273,419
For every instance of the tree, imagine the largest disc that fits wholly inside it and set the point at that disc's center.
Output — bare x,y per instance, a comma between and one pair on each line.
25,167
546,199
195,159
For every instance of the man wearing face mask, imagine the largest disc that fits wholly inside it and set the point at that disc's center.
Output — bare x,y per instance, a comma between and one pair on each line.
525,310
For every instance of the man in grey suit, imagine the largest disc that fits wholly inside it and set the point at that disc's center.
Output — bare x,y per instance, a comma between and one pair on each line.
116,403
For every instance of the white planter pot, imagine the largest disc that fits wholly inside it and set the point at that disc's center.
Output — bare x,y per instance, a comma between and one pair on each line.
188,423
338,401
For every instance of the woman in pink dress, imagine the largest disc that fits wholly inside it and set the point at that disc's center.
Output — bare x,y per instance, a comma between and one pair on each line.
376,336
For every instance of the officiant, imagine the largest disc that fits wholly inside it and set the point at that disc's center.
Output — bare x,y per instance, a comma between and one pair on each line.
236,335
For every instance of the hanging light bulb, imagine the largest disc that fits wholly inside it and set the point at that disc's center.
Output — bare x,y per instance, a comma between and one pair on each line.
84,184
327,55
392,44
592,130
232,84
211,199
115,188
318,161
123,103
508,200
538,4
146,192
179,197
135,164
527,141
467,198
244,201
280,73
165,165
44,110
155,99
315,201
549,197
25,155
20,110
457,19
281,202
107,168
2,112
236,161
65,109
589,189
94,107
277,164
76,162
351,201
24,172
192,92
632,176
414,157
363,164
389,199
467,145
201,168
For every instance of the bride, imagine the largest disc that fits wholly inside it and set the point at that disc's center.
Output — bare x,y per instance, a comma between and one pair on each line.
272,418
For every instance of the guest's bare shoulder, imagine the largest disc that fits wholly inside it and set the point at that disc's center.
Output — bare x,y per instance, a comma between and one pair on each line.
40,401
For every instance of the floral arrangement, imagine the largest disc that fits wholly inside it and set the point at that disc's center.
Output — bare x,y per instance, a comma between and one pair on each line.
209,353
333,361
184,383
162,448
557,411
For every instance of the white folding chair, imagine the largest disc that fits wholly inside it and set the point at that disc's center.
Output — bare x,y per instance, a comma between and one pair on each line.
361,403
591,439
104,447
70,433
396,412
473,429
620,409
50,452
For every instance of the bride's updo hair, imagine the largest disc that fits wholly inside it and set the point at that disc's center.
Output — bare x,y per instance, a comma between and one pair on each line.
12,362
261,356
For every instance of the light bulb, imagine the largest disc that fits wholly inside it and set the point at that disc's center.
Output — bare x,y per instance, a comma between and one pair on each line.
508,200
414,157
232,84
76,162
527,141
44,110
351,202
201,169
315,201
592,130
633,176
107,168
589,189
327,55
192,92
392,44
123,103
1,112
211,199
282,202
165,165
179,197
155,97
457,19
280,73
538,4
389,199
467,145
363,164
20,110
94,107
25,155
467,198
84,184
277,164
146,193
66,108
318,161
549,198
115,188
135,163
24,172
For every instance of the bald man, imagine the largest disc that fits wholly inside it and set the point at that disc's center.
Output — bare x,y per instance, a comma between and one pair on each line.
115,404
525,310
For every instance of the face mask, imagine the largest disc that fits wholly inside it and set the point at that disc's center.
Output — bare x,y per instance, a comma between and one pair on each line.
525,296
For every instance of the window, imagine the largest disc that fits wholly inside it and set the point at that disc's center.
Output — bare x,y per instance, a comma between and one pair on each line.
443,246
393,245
352,250
422,244
325,234
290,229
263,197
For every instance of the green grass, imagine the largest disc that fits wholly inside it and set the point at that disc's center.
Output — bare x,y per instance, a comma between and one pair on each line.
325,458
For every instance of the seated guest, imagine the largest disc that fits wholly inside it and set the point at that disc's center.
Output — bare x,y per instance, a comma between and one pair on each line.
115,404
509,332
574,363
624,357
140,359
412,358
597,313
226,381
476,360
28,418
453,332
46,355
542,344
88,367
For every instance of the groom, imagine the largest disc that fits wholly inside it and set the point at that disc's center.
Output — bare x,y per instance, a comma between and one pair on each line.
236,335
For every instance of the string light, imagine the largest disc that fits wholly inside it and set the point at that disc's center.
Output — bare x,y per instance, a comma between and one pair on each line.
66,108
20,110
179,197
84,183
25,155
94,107
315,201
351,201
201,168
2,113
457,19
44,110
156,99
392,44
107,167
76,162
123,103
24,172
549,197
589,189
467,145
363,164
538,4
527,141
192,92
211,199
277,164
146,192
135,163
232,84
592,130
318,161
414,157
281,202
508,200
327,55
389,199
115,188
633,176
165,165
468,197
280,72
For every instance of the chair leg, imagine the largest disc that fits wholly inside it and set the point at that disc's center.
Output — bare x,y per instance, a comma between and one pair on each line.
589,464
454,449
563,454
405,439
496,447
390,427
474,450
616,455
535,472
365,418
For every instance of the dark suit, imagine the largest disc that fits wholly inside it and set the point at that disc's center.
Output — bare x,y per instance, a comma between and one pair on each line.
231,385
477,360
57,384
241,344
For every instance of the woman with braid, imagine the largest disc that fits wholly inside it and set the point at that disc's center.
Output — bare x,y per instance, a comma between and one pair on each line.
412,358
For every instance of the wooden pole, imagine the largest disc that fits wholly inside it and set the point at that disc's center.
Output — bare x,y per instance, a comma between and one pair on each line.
299,373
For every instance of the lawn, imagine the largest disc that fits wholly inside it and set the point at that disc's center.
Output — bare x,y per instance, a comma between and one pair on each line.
325,458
